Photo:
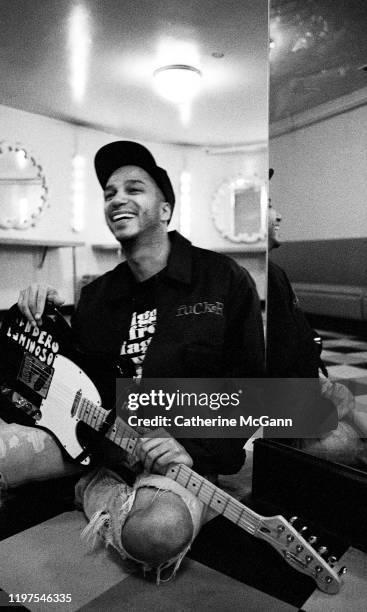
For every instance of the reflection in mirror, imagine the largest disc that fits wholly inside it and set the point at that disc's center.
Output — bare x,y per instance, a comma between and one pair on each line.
239,210
318,119
23,189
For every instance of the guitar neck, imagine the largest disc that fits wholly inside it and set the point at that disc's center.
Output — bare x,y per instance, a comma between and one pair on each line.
216,498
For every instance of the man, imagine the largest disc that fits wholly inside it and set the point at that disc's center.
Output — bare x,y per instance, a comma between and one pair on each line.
170,310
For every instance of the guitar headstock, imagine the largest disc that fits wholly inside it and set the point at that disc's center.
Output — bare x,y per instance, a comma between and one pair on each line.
301,554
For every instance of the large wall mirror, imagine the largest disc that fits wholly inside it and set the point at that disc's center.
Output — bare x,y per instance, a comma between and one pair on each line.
318,119
23,188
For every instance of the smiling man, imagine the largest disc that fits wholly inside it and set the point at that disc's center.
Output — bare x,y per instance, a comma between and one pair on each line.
171,310
139,201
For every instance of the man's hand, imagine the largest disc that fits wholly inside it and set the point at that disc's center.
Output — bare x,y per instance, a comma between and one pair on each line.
32,301
157,453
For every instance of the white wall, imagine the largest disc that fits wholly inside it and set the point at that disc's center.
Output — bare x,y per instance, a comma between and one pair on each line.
208,172
320,180
54,143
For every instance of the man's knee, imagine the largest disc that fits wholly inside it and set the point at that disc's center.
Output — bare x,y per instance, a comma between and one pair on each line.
158,528
28,454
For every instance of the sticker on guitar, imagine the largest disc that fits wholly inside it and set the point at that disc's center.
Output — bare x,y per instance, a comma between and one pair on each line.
35,374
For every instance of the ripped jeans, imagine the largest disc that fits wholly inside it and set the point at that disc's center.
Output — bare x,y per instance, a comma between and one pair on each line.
28,454
108,502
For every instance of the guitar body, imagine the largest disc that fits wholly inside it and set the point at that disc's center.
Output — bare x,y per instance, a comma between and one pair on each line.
34,362
56,410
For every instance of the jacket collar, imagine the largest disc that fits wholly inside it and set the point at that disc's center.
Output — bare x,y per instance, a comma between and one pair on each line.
179,265
179,269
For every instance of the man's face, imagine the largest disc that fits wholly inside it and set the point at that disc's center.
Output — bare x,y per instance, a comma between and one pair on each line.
274,219
134,205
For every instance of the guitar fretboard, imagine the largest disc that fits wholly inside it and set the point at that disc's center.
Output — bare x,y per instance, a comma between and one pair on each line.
215,497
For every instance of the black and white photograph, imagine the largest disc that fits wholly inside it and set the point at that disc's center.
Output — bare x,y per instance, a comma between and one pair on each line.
183,305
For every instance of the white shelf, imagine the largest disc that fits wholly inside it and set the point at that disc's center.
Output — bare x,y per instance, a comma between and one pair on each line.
42,242
106,247
237,250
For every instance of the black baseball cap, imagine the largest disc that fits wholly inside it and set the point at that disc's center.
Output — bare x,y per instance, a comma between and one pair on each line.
127,153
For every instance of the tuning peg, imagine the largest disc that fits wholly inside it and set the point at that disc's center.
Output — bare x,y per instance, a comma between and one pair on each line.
312,539
280,528
308,558
318,569
322,550
290,538
303,529
343,570
293,519
332,560
299,548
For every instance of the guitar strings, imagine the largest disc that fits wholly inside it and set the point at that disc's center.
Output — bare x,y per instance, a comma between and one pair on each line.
211,492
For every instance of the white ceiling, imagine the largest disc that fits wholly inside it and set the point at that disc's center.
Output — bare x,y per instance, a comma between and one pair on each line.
122,41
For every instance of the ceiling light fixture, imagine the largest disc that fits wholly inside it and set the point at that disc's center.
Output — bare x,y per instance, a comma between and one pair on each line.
178,83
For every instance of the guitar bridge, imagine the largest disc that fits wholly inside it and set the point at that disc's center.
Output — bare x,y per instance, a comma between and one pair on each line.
35,375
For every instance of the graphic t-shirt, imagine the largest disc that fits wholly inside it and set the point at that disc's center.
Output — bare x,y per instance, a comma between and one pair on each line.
142,325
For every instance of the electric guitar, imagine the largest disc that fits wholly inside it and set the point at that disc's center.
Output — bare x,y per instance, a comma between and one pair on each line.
61,395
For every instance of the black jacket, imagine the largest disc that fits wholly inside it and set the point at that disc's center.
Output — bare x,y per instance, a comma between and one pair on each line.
208,325
290,349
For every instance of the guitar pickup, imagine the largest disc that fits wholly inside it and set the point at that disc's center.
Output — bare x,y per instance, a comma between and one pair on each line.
76,402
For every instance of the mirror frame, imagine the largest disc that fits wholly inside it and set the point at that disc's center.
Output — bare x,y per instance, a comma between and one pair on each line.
30,220
226,191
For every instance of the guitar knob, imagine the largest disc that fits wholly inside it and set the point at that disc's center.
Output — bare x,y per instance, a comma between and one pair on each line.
312,539
343,570
293,519
322,550
332,560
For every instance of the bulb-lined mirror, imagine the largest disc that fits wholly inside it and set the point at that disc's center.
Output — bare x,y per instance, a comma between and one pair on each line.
239,210
23,189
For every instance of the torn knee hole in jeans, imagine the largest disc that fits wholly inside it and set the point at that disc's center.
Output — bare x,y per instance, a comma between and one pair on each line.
106,527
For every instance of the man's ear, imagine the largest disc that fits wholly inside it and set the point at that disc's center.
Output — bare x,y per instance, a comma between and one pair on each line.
166,212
